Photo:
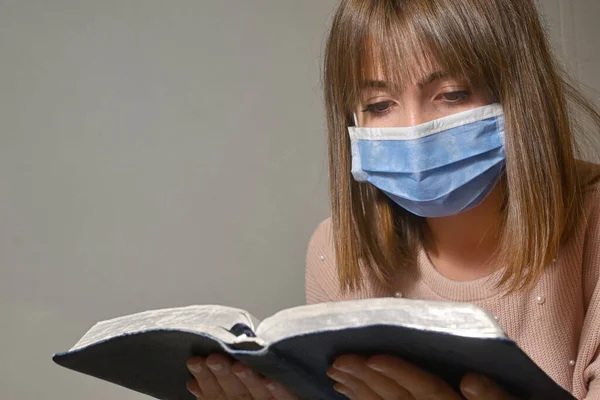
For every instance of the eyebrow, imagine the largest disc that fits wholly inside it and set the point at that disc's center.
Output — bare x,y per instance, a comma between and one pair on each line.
434,76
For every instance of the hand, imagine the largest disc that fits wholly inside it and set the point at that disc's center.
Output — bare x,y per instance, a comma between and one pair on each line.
385,377
218,378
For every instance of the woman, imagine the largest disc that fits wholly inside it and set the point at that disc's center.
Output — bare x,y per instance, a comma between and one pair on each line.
453,177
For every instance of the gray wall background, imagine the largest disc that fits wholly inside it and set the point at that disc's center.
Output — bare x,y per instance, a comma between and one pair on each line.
164,153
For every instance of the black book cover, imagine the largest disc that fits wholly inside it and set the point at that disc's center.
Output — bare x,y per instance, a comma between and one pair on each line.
154,362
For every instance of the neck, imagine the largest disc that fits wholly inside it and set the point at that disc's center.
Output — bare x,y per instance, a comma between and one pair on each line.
461,246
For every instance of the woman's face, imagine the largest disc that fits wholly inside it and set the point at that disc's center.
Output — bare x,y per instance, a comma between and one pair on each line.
434,95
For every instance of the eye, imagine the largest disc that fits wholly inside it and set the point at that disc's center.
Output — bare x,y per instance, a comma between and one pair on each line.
455,97
379,108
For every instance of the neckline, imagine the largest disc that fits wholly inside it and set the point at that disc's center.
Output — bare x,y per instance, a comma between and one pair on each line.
463,291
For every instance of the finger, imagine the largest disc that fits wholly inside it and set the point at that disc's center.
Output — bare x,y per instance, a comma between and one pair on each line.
353,387
229,382
345,391
477,387
277,391
254,382
356,367
193,388
207,386
420,383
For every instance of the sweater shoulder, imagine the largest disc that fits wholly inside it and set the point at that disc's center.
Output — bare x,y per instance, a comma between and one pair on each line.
321,277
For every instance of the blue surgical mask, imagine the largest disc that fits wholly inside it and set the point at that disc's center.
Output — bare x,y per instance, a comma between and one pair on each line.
436,169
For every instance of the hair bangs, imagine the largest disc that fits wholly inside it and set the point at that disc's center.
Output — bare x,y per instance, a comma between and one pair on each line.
400,43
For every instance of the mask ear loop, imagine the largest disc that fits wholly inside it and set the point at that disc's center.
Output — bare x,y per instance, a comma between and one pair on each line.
355,119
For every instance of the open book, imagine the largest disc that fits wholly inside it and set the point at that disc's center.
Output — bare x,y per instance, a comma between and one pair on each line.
147,352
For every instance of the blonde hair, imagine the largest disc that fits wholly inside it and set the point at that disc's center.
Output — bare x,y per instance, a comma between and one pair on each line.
496,43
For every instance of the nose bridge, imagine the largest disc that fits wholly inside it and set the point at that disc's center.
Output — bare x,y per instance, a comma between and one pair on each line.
412,112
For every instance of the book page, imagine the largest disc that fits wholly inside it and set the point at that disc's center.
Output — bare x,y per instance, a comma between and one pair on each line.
454,318
214,320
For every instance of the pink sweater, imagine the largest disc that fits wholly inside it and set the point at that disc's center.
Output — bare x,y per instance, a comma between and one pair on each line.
557,323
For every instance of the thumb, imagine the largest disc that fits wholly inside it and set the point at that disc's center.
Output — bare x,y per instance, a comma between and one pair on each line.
478,387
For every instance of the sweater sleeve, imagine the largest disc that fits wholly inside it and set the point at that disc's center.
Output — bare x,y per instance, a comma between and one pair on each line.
589,347
586,383
321,282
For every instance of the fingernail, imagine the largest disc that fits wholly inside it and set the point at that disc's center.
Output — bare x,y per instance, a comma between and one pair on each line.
376,367
342,368
478,387
242,374
193,390
215,367
342,389
271,387
196,367
337,377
